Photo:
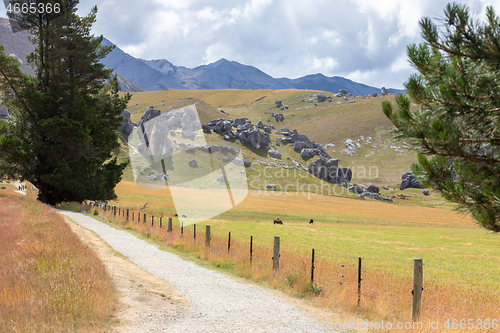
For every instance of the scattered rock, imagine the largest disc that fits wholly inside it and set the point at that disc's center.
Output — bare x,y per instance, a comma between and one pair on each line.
345,175
319,169
307,153
127,126
425,192
206,129
274,153
373,189
271,187
193,164
299,145
189,135
409,180
159,177
240,121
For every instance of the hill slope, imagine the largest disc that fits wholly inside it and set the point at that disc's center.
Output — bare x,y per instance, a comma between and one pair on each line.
356,133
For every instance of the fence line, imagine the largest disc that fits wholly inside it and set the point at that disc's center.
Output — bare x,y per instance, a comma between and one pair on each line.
349,277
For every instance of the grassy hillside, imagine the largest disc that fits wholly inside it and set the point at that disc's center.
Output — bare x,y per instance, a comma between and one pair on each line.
375,159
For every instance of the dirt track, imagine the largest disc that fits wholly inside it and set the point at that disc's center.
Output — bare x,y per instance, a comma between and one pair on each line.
170,294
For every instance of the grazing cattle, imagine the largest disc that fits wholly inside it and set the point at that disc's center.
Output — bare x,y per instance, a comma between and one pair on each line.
278,221
311,221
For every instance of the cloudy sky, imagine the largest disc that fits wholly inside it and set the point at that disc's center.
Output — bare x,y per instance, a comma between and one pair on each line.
363,40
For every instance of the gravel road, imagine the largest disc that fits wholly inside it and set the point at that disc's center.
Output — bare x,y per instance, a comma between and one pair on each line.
218,302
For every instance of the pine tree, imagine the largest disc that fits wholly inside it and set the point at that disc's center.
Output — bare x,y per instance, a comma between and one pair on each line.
65,119
453,109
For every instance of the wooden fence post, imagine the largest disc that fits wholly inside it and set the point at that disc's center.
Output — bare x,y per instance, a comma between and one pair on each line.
417,289
207,236
169,229
160,222
182,228
133,216
127,214
194,231
312,267
276,253
152,220
359,281
114,211
251,248
144,218
229,243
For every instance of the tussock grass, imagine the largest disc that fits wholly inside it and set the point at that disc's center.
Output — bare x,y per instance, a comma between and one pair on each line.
49,280
385,289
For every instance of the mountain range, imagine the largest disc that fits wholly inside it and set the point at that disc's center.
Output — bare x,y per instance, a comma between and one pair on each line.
161,74
135,74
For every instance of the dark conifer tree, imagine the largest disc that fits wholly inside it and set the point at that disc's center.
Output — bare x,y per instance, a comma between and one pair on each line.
65,118
453,111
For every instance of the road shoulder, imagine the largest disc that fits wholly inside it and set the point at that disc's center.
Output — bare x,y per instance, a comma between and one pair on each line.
144,300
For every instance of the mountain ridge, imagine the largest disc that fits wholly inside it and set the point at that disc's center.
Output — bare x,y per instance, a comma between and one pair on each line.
223,74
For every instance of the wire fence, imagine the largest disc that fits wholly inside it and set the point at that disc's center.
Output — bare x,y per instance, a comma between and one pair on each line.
333,278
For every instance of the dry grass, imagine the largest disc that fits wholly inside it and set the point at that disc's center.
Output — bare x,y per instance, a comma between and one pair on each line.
49,280
299,204
384,295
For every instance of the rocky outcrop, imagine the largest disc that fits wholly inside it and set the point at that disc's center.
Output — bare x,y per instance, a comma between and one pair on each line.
409,180
127,126
364,193
149,114
299,145
319,169
255,139
329,171
223,126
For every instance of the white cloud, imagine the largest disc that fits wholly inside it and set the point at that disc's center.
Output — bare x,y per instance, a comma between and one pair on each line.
327,64
363,40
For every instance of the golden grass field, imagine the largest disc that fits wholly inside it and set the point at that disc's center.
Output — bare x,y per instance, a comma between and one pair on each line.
387,280
49,280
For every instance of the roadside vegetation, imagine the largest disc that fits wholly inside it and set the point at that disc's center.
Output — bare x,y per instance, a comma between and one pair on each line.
49,280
